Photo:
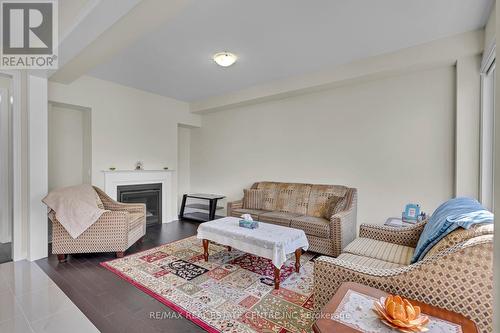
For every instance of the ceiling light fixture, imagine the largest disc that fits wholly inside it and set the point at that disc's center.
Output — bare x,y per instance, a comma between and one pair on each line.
224,59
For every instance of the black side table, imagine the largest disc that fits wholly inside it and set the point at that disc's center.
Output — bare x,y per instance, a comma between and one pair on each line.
198,216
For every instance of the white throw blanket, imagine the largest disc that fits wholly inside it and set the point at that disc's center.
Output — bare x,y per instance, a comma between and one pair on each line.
75,207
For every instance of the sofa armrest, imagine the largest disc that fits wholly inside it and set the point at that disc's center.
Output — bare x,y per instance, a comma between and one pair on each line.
343,229
126,207
407,236
447,280
238,204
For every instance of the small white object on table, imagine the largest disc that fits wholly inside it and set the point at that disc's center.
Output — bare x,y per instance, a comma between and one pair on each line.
398,222
269,241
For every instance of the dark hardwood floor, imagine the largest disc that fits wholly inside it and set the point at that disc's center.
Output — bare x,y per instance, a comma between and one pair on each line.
5,252
112,304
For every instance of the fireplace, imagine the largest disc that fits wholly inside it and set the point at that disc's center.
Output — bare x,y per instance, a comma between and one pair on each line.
149,194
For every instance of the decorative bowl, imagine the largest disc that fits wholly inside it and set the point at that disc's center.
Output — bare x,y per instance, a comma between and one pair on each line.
399,313
112,168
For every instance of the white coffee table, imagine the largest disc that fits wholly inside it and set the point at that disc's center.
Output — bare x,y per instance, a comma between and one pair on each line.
269,241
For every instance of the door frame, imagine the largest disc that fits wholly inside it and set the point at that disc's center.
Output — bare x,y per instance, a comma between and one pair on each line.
18,252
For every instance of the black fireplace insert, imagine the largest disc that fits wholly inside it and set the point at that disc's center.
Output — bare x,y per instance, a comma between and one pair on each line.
149,194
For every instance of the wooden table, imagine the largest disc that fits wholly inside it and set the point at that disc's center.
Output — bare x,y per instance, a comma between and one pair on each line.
269,241
277,271
326,325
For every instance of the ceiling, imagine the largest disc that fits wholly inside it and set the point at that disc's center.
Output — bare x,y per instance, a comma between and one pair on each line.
276,39
68,12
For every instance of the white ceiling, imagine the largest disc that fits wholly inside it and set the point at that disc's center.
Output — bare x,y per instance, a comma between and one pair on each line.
68,12
276,39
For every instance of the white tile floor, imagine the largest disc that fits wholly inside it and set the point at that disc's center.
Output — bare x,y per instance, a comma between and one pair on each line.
30,302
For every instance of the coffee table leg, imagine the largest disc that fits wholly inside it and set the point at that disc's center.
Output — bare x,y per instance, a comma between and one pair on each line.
276,278
205,249
298,253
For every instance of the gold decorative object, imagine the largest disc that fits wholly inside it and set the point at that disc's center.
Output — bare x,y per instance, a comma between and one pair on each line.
112,168
399,313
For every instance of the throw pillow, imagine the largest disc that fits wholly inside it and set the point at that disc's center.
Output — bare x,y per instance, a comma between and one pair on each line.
331,206
253,198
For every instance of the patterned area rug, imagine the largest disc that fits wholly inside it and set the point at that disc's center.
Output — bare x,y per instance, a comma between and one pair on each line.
232,292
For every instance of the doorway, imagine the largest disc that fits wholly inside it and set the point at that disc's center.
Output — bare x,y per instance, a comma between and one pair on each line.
69,147
5,169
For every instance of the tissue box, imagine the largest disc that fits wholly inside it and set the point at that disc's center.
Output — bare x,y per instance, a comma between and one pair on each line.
249,224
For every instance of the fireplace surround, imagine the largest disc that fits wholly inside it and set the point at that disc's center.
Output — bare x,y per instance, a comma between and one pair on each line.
168,198
148,194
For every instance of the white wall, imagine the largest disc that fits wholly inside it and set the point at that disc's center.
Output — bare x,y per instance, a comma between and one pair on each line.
467,134
496,191
184,161
128,125
392,138
37,173
5,162
490,28
68,156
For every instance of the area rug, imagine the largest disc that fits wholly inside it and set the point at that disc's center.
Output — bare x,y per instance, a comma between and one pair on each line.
232,292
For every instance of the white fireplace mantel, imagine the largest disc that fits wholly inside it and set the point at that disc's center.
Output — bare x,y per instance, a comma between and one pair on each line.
115,178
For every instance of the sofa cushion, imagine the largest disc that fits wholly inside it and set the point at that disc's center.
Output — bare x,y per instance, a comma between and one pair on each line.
279,218
135,220
376,249
270,195
345,203
331,206
285,197
315,226
367,261
255,213
319,196
253,198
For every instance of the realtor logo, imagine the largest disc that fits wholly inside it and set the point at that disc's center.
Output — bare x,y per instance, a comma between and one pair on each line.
29,34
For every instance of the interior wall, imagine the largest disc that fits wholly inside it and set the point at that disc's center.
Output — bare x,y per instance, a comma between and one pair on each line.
5,161
128,125
37,107
496,190
392,138
183,161
69,153
490,28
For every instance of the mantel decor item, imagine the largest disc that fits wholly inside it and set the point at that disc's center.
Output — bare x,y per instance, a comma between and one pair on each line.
399,313
112,168
165,168
139,165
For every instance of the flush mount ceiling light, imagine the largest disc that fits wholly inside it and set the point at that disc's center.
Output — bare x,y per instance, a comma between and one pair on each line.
224,59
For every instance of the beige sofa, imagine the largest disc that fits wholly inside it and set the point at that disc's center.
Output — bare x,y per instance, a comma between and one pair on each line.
456,274
115,231
304,206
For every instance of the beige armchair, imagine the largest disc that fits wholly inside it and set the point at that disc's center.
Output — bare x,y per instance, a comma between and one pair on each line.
115,231
457,273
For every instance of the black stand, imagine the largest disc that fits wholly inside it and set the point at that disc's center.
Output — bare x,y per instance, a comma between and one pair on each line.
211,208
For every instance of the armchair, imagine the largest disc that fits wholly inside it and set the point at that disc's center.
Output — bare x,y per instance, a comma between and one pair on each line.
457,274
115,231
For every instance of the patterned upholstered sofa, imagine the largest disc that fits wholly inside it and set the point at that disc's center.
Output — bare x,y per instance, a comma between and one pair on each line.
115,231
456,274
306,207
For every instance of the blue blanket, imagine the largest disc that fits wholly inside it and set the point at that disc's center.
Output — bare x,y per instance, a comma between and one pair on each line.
453,214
